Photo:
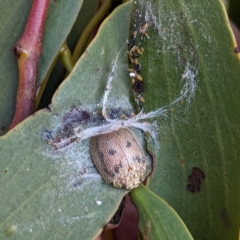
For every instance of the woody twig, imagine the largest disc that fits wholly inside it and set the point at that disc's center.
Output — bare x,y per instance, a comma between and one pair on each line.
27,51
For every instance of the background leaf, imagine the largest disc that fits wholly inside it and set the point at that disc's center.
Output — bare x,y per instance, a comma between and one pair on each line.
158,220
60,18
190,53
58,73
58,194
191,70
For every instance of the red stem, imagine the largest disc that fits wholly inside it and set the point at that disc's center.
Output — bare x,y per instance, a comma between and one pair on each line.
28,50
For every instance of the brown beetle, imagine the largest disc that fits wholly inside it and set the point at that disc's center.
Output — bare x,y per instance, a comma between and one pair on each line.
119,158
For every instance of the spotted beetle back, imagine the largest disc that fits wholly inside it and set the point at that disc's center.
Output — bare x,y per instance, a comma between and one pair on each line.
119,158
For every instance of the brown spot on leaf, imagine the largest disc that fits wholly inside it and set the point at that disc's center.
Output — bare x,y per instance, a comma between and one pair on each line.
195,180
3,171
3,128
182,160
85,115
236,50
76,117
17,49
147,230
225,218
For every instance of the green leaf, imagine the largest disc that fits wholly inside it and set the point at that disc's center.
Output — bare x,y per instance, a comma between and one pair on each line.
60,18
47,193
58,194
88,10
58,73
191,72
158,220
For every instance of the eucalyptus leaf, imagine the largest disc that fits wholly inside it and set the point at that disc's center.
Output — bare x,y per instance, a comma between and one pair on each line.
158,220
191,69
49,193
190,72
58,73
